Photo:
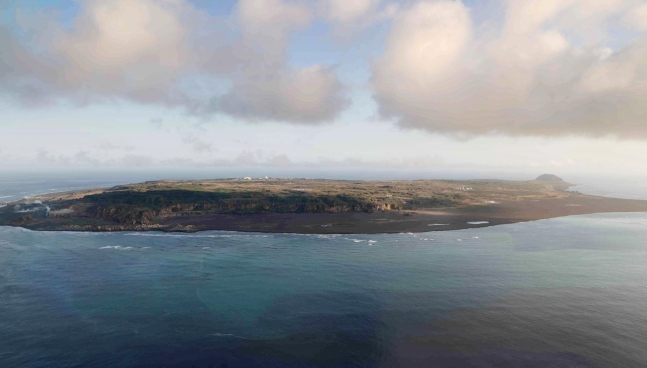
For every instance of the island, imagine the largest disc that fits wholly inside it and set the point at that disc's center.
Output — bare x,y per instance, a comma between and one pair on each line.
310,206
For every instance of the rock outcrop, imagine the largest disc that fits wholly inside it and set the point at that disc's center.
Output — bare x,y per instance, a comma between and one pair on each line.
549,177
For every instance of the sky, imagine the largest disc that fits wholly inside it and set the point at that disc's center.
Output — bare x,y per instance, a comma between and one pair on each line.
435,86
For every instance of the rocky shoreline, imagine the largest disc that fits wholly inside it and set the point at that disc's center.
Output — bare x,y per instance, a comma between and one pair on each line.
328,207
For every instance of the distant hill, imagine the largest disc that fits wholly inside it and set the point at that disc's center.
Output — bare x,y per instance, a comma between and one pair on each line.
549,177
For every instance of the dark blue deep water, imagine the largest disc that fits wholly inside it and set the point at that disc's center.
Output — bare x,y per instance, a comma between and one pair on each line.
566,292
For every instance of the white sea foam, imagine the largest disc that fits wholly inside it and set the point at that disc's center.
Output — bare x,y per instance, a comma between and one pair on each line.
167,235
6,196
119,247
478,222
438,225
327,236
84,233
372,241
355,240
30,210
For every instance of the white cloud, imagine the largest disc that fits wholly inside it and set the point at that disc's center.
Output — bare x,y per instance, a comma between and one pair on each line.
423,48
311,94
268,22
527,79
349,16
122,32
345,11
134,161
637,17
165,52
197,144
549,69
115,147
268,88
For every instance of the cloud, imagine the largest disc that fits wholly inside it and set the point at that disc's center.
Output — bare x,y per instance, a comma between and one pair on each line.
531,77
157,122
81,158
280,160
115,147
548,68
84,159
166,52
124,49
347,11
347,17
416,162
312,95
197,144
637,17
268,22
268,89
260,159
245,158
134,161
123,33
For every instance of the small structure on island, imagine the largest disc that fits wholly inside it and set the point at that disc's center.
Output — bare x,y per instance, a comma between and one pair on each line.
247,178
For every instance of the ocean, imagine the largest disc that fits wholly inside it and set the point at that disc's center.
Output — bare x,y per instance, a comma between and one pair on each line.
564,292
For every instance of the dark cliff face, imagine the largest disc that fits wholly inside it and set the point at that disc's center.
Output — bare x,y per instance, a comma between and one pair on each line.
142,208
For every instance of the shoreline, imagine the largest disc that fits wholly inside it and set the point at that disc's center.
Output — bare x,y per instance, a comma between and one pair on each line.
180,233
391,222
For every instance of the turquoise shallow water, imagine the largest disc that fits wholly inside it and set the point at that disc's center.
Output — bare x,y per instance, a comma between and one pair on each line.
566,292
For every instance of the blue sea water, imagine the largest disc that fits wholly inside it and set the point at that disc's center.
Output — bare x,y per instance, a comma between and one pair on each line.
564,292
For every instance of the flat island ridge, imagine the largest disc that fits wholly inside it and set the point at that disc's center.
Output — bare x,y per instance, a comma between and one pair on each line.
309,206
